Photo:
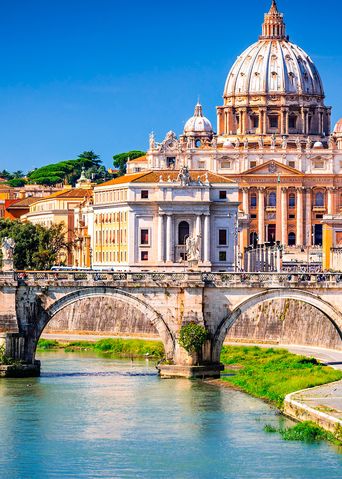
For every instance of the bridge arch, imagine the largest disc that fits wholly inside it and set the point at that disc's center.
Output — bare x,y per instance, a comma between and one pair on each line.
334,316
150,313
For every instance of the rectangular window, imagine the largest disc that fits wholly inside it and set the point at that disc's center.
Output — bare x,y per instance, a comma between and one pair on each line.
222,256
292,217
144,194
252,164
223,237
223,195
201,165
144,237
292,121
273,119
170,161
253,217
144,255
292,164
226,165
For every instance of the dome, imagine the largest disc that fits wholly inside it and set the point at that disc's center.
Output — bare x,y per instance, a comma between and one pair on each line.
338,127
273,65
198,124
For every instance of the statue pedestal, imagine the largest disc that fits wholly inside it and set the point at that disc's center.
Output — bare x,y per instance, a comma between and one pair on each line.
7,265
193,265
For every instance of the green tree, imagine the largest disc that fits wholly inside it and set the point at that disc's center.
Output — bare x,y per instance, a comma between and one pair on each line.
120,160
36,247
192,336
17,182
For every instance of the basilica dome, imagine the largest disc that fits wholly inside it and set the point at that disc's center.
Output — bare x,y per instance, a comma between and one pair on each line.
338,127
198,124
274,65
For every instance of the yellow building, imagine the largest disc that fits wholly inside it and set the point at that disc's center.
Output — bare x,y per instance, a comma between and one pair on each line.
332,242
59,208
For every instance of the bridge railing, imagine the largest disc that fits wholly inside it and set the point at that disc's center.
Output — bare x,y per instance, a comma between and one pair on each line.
174,278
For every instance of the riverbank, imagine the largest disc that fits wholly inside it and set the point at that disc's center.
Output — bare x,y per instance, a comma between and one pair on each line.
109,346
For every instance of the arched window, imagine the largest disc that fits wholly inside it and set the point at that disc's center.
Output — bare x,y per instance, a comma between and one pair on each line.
198,143
272,199
253,239
253,200
292,200
292,239
183,232
319,199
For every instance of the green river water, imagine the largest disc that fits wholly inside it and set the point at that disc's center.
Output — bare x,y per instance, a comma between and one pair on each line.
93,417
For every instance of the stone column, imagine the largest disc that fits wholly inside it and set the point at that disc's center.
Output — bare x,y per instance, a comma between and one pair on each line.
284,216
286,132
169,239
300,215
245,200
161,239
199,233
261,216
261,113
206,239
308,213
303,120
330,200
264,125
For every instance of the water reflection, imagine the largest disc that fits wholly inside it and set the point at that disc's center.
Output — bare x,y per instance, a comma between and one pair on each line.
91,417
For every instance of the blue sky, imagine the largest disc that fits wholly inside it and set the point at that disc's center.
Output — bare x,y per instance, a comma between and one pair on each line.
101,74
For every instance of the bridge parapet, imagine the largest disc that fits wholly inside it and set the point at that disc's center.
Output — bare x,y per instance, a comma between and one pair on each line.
186,279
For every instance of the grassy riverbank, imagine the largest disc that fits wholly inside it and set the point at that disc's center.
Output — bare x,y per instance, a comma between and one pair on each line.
110,346
271,374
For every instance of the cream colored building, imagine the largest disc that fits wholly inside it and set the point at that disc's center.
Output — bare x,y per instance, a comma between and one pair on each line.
273,137
142,221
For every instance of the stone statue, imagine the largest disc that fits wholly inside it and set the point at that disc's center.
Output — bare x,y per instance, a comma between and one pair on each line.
214,142
7,248
308,143
245,144
284,143
237,143
184,176
192,246
298,144
261,142
273,141
152,141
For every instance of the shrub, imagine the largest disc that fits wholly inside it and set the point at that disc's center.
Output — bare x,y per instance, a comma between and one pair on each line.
192,337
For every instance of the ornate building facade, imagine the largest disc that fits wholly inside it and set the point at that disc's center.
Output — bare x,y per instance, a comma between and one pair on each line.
273,137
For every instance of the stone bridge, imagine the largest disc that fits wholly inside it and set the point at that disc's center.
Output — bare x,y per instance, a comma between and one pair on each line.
29,300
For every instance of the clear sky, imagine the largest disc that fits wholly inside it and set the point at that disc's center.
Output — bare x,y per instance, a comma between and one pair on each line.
101,74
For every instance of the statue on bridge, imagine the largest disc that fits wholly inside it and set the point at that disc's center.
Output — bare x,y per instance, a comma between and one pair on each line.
7,249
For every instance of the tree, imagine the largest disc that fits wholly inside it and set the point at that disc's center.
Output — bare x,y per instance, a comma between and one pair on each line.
120,160
66,172
36,247
192,336
17,182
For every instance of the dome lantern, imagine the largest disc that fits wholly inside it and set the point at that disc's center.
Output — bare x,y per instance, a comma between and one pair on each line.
198,128
273,26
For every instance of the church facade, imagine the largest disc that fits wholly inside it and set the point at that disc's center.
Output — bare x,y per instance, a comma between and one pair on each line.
273,138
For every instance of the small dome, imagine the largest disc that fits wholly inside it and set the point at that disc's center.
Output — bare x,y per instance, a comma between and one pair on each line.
338,127
198,124
318,144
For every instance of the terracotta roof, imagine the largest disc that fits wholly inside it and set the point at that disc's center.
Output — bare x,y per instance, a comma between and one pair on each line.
24,203
141,159
155,176
72,193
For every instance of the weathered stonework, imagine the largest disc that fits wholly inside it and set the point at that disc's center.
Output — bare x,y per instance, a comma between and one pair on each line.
162,303
285,322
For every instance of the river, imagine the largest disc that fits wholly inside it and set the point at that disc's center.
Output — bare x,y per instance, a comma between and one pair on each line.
93,417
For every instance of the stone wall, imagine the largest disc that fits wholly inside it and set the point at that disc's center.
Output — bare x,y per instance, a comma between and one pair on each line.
286,322
280,321
101,314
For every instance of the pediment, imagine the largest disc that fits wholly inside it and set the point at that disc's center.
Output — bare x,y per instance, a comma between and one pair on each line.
272,168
